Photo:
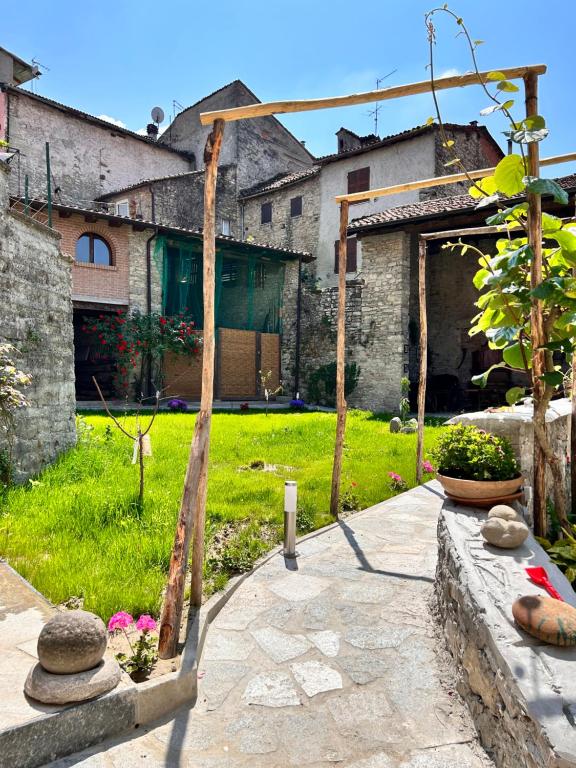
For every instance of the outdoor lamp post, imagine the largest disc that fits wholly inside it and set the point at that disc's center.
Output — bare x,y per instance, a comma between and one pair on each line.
290,506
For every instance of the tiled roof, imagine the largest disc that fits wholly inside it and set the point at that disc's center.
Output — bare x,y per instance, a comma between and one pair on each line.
430,208
92,119
410,133
280,180
144,182
167,228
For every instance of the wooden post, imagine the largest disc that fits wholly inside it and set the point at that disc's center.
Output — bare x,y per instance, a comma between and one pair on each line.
423,354
193,505
536,319
573,437
340,362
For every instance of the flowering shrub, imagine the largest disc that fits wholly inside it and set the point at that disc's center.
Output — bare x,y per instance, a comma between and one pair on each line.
428,468
397,482
143,655
469,453
297,402
177,406
129,338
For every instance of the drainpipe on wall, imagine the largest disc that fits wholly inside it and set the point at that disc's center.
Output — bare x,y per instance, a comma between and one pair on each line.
149,388
298,318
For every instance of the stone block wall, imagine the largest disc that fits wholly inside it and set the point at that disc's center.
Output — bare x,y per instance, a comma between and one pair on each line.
36,317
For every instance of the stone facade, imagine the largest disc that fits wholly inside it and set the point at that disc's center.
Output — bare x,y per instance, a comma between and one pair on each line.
36,317
520,691
89,157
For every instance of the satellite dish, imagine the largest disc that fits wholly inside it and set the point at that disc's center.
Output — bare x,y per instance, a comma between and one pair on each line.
157,115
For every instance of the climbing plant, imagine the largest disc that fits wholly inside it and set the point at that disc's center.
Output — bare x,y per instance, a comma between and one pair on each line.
518,298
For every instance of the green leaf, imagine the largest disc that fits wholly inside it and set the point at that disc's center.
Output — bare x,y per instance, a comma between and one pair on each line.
514,394
507,214
551,223
480,277
554,378
534,123
565,239
452,162
496,75
507,86
482,378
448,144
571,573
524,136
509,175
430,120
545,290
487,185
548,187
478,42
489,110
513,355
486,201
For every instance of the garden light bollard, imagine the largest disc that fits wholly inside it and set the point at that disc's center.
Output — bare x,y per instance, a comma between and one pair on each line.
290,506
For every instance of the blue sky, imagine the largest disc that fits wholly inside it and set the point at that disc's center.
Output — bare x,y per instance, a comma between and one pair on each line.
121,59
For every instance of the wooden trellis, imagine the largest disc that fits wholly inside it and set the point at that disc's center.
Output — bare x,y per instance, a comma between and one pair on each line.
192,512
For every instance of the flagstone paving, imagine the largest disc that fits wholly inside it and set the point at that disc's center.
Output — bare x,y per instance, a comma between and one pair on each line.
333,658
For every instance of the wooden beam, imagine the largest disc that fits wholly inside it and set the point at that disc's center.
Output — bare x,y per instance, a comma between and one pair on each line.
193,505
384,94
423,355
438,181
497,229
340,362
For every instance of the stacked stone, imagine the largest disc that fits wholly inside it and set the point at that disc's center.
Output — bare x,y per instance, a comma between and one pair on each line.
71,666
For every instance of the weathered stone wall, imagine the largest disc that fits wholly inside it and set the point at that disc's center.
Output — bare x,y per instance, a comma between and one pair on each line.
36,317
88,159
285,231
520,690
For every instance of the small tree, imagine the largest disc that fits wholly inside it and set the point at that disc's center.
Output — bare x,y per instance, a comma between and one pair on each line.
11,399
265,382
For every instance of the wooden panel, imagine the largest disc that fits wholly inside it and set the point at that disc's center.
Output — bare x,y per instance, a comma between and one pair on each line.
237,363
271,357
183,376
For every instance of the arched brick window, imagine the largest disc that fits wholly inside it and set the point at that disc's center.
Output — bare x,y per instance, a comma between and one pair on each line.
93,249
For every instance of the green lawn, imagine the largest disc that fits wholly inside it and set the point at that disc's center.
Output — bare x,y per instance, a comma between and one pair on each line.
77,530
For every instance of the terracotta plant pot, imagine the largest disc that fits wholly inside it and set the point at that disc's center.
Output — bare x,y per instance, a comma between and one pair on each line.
480,490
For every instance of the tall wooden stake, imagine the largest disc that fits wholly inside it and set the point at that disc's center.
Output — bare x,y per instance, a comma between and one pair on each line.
536,318
193,505
423,354
572,446
340,362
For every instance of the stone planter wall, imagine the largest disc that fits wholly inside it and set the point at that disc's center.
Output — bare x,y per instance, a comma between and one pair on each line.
521,692
516,425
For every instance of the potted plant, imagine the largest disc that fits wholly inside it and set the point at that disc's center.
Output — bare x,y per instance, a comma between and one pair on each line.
476,467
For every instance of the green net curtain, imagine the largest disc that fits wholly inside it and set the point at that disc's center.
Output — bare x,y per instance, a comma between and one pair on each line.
248,288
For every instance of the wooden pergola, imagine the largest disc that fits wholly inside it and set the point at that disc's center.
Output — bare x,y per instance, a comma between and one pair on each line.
191,518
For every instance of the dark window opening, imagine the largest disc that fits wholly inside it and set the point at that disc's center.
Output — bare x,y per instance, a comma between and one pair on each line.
296,206
359,180
266,213
260,276
351,250
229,271
93,249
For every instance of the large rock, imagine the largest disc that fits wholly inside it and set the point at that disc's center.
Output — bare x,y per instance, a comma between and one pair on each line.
63,689
72,641
546,618
506,534
505,512
395,424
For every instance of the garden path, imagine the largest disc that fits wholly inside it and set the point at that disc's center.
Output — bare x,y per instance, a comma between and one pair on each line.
332,658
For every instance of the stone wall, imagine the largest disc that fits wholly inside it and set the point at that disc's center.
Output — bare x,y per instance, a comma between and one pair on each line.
88,157
36,317
520,690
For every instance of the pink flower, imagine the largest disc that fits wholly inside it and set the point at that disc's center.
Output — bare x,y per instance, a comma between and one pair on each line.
120,620
145,623
427,467
395,476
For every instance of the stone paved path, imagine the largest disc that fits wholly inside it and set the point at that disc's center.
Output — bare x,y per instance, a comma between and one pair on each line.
331,659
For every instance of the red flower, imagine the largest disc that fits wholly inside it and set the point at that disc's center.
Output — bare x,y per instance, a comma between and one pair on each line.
163,321
103,341
101,317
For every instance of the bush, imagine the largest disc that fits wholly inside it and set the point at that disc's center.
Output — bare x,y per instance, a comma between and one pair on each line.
322,383
469,453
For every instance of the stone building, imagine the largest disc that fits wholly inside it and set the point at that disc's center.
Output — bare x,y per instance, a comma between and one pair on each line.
289,206
36,318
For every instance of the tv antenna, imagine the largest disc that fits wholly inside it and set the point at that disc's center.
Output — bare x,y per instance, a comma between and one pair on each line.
176,106
374,112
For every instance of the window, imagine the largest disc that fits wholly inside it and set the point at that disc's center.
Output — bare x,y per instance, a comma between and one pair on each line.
229,271
225,227
359,181
266,213
351,261
93,249
122,208
260,276
296,206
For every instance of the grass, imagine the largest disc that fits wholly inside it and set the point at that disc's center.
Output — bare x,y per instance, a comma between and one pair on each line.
77,529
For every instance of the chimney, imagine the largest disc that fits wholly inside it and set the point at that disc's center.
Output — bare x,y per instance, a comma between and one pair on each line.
152,131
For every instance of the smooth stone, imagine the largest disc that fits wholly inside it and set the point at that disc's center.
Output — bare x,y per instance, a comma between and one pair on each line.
547,619
505,513
373,638
395,424
326,641
72,641
506,534
315,677
50,688
280,646
271,690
